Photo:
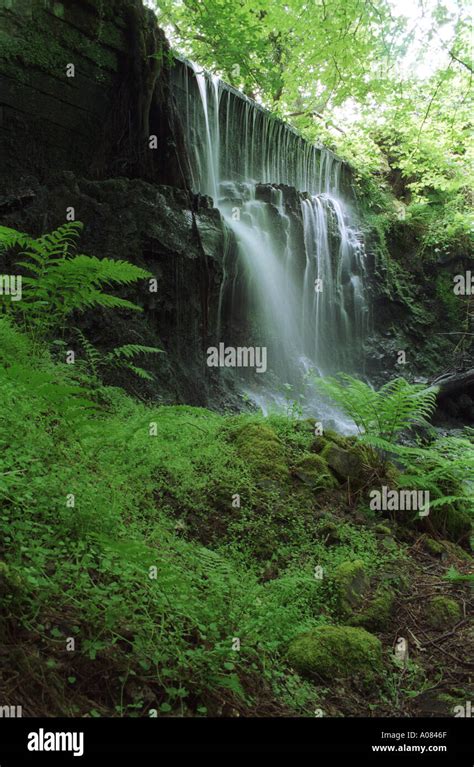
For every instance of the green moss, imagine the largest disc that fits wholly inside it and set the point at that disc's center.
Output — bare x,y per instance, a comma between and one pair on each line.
346,464
451,523
452,306
442,612
328,531
319,443
314,471
41,48
258,445
377,615
351,582
383,530
331,437
339,439
433,547
336,652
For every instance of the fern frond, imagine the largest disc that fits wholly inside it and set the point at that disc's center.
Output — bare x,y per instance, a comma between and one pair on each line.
396,406
132,350
10,238
93,356
104,270
213,563
140,372
96,298
59,283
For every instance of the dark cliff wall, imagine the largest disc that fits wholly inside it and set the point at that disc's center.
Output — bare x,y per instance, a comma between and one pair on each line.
83,141
83,85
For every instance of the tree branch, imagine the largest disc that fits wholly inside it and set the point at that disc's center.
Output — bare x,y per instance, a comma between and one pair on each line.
460,61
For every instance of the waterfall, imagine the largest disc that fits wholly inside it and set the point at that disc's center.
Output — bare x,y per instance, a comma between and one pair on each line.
294,261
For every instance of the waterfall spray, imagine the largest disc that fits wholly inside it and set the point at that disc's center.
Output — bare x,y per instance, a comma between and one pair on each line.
294,263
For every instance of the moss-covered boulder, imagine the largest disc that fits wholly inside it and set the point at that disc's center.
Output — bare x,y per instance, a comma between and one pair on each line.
329,532
332,652
331,437
377,614
451,523
383,530
442,613
318,444
346,464
351,584
314,471
259,446
433,547
339,439
453,552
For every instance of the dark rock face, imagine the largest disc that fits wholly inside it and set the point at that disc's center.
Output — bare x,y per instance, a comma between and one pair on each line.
177,238
85,141
84,87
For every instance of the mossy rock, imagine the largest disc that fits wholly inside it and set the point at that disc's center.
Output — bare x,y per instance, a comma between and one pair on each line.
351,584
377,614
384,530
314,471
449,522
331,437
346,464
259,446
329,532
442,613
435,548
453,551
336,652
318,444
339,439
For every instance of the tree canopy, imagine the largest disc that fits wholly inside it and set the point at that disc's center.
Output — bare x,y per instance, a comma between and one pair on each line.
385,83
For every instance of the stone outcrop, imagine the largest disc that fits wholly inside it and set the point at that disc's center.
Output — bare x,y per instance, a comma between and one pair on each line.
84,84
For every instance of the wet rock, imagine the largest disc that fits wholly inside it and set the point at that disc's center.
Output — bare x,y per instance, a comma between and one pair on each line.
176,237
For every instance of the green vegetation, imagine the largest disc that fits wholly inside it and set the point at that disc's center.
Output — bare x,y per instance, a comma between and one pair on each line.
181,552
105,534
387,87
384,413
176,560
442,466
58,282
108,507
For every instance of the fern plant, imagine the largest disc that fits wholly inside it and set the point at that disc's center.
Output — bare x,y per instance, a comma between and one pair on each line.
119,357
383,413
57,282
445,468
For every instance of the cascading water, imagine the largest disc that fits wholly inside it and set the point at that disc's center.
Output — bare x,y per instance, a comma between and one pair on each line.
294,268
